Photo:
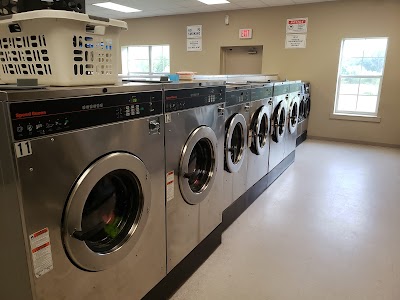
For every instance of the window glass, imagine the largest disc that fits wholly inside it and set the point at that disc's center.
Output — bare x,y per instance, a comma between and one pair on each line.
360,76
145,59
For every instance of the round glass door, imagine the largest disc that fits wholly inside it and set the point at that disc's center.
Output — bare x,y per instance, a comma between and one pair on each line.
198,165
293,117
307,108
302,108
106,212
279,123
260,130
235,143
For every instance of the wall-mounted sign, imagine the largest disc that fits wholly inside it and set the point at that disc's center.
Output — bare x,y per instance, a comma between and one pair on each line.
194,31
194,45
245,33
296,41
298,25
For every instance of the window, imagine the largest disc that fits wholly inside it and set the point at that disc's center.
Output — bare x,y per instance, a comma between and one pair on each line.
361,67
145,60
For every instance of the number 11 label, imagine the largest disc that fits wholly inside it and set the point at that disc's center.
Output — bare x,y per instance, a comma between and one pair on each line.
23,149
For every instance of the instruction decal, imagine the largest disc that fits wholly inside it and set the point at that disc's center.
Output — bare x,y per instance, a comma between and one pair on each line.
41,252
170,185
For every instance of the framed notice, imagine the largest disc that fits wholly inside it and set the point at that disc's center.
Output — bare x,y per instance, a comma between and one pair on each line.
194,45
298,25
194,31
296,41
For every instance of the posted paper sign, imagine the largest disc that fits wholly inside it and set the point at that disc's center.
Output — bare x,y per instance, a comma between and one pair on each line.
296,41
298,25
194,31
194,45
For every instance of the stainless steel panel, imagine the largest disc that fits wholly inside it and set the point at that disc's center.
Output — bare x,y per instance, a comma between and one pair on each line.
258,165
188,225
16,277
46,179
235,182
68,92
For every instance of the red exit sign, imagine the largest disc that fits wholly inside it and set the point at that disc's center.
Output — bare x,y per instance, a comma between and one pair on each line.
246,33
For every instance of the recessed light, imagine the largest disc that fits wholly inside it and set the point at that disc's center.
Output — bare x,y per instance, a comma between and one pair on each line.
117,7
212,2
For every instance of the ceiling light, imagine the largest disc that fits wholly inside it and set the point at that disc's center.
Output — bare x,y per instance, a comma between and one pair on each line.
117,7
212,2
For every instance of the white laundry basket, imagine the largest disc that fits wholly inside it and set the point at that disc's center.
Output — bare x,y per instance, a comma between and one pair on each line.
59,48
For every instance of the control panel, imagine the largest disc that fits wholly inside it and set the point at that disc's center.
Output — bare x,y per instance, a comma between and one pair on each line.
295,87
40,118
176,100
281,89
235,97
261,93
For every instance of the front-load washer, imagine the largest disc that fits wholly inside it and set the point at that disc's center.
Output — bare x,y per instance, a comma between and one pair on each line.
259,129
304,114
237,119
82,198
293,102
278,124
194,143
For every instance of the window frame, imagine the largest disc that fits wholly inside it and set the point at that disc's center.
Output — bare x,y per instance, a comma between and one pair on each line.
339,78
149,48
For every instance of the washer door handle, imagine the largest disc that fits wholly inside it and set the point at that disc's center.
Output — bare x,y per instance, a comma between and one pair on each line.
195,173
88,234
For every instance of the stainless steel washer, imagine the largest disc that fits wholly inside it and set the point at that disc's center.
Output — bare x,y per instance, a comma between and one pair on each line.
278,124
259,132
82,203
194,141
237,119
293,102
304,112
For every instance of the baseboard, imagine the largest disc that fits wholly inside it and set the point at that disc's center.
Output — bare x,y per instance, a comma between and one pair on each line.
349,141
301,138
279,169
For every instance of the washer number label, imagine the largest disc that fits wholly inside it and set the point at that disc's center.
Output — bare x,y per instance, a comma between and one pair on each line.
23,149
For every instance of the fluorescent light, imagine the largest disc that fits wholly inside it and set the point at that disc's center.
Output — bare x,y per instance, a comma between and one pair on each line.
117,7
212,2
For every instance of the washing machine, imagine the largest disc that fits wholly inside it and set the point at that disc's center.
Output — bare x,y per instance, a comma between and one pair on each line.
259,132
237,119
293,102
194,143
82,199
278,123
304,112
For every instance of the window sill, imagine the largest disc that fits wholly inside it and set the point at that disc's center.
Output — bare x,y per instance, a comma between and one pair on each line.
371,119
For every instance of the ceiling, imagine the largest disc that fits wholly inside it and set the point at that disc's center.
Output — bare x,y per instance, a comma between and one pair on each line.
152,8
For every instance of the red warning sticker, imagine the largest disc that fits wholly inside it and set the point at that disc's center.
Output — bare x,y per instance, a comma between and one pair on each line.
41,252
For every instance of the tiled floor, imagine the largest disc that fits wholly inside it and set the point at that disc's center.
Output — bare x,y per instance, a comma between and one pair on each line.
329,228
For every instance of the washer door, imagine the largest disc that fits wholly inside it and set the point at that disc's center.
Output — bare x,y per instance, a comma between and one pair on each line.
302,107
259,130
279,122
107,211
235,143
198,165
293,116
307,108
